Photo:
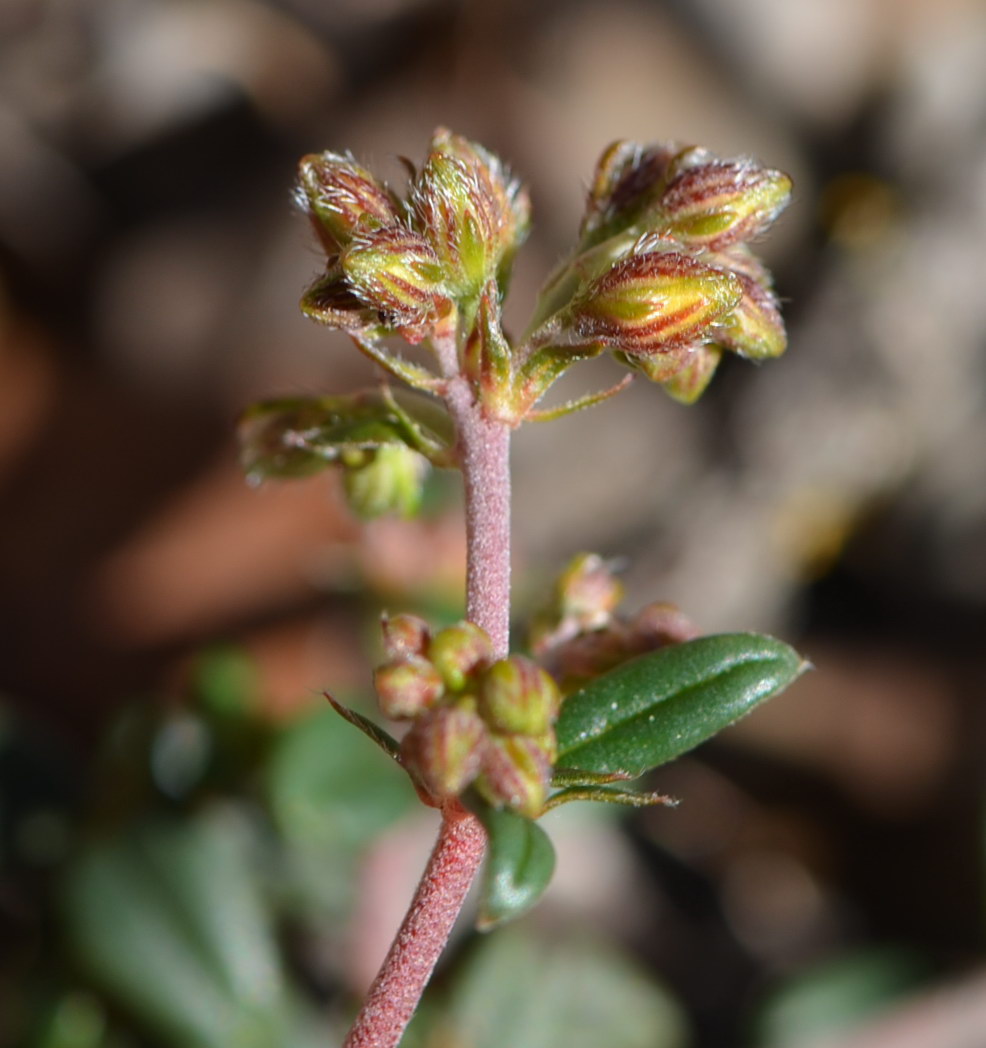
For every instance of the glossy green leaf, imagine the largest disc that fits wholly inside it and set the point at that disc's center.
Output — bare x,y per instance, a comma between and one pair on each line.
656,707
520,860
297,436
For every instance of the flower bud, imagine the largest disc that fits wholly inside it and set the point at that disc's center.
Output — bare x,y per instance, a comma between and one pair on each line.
330,301
471,211
754,328
445,749
394,270
712,203
387,479
407,687
588,591
457,652
404,635
688,384
342,199
628,181
653,301
659,624
516,696
590,655
516,771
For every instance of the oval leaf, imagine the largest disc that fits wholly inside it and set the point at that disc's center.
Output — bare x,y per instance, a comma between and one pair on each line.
654,708
520,860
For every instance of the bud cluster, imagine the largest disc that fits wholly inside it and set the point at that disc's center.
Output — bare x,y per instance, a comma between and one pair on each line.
580,636
663,274
411,267
475,720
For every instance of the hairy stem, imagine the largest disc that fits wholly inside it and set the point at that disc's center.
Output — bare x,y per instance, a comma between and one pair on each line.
484,452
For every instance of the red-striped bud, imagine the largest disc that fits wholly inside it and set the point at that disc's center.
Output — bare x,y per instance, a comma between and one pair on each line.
627,183
445,749
342,199
404,635
712,203
406,688
473,213
516,772
653,301
395,271
754,328
517,696
691,381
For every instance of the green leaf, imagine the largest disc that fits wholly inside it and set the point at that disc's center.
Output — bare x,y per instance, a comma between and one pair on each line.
563,990
520,860
654,708
297,436
170,921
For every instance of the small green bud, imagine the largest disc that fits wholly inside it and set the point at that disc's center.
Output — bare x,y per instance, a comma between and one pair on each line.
395,271
407,687
516,771
517,696
387,479
653,300
711,203
688,384
458,652
404,635
754,328
445,749
342,199
473,213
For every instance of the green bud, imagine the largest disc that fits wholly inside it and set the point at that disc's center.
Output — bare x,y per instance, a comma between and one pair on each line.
517,696
407,687
387,479
754,328
653,300
445,749
342,199
516,772
688,384
458,652
395,271
711,203
473,213
404,635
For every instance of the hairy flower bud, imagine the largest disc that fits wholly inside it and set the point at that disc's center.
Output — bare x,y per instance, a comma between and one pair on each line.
407,687
395,271
585,596
387,479
457,652
516,696
659,624
628,181
754,328
404,635
710,203
342,199
653,300
516,771
688,383
472,212
445,749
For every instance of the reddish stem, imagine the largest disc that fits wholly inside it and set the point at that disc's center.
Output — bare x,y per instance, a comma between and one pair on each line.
484,450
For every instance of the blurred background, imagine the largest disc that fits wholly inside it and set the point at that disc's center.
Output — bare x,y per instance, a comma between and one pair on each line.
193,852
